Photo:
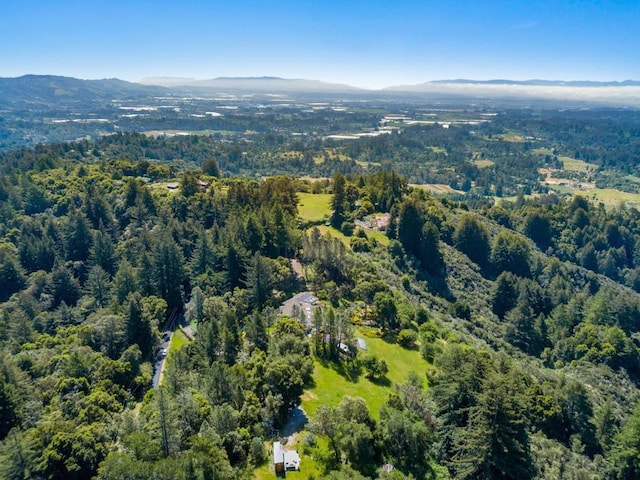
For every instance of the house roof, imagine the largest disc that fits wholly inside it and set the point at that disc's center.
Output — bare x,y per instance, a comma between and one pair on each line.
308,298
291,459
278,453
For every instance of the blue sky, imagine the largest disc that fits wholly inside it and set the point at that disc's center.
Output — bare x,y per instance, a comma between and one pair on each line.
364,43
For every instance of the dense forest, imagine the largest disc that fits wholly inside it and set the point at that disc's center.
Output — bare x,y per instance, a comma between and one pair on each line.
524,313
487,152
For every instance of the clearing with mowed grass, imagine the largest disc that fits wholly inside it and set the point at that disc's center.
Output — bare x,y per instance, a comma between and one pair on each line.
333,381
314,207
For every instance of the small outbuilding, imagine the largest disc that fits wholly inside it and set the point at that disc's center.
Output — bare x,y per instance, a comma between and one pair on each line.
278,458
284,460
291,460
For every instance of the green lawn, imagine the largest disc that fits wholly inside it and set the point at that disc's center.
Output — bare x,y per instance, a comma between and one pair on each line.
542,151
314,207
575,165
437,149
510,137
335,233
612,197
178,340
379,237
308,465
332,383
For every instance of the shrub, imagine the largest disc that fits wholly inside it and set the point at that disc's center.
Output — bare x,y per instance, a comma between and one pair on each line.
407,338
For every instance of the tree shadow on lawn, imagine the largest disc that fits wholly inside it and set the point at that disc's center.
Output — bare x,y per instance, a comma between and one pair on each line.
350,371
381,382
389,337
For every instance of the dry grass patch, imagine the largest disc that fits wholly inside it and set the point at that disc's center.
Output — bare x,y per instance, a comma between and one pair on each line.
483,163
437,188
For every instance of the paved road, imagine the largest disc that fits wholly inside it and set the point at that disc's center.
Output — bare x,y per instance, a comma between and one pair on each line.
159,361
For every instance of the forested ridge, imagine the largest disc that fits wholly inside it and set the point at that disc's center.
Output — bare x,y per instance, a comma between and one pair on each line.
525,312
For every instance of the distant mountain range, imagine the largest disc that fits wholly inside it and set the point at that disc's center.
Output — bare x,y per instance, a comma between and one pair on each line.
252,83
277,83
37,92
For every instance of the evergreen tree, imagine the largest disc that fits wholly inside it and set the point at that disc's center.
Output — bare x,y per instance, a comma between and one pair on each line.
203,256
254,234
65,287
210,167
188,184
12,278
511,253
124,282
429,251
339,201
103,252
169,271
99,286
505,293
537,227
410,222
625,454
471,238
235,266
138,328
78,238
146,274
259,280
494,444
97,209
8,408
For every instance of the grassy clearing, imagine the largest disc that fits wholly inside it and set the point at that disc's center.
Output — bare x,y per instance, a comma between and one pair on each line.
542,151
331,154
335,233
483,163
510,137
332,382
178,340
437,149
309,468
314,207
379,237
612,197
574,165
292,154
367,164
437,188
513,198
